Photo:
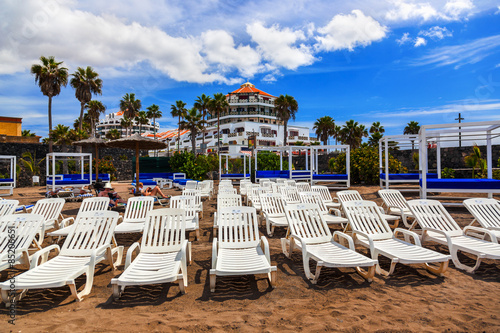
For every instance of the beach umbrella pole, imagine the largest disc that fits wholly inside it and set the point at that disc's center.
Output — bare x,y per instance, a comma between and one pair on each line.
137,168
96,163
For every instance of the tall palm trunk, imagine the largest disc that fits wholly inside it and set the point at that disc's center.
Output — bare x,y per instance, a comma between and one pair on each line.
193,143
179,136
204,133
50,124
218,133
82,106
285,134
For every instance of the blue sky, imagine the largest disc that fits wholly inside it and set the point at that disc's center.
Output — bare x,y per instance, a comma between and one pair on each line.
389,61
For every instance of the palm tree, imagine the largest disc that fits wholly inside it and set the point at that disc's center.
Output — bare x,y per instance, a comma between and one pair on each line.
336,132
129,105
412,128
86,82
50,77
352,134
126,123
86,123
178,110
376,128
113,134
202,103
216,106
195,124
153,113
94,110
286,107
324,127
375,138
141,119
27,133
77,135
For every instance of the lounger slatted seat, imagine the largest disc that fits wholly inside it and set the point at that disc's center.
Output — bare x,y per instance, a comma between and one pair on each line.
486,212
290,195
135,215
324,192
239,250
438,226
315,198
371,230
17,233
8,207
310,234
273,210
163,253
353,195
88,244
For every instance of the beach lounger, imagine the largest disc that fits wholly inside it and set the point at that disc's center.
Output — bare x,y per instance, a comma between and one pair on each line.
310,234
396,204
371,230
135,215
486,212
273,210
162,255
238,251
438,226
51,210
290,195
88,243
205,190
8,207
196,194
353,195
303,187
226,200
315,198
188,204
17,233
324,192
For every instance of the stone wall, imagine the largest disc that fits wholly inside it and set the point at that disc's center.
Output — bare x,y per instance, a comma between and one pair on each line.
123,167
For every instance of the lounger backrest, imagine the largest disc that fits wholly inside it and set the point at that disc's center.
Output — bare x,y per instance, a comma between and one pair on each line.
306,221
272,204
203,187
90,231
349,195
303,187
191,185
226,182
277,187
313,198
244,187
8,207
280,181
323,192
138,208
365,216
267,185
164,230
228,200
196,194
227,190
23,227
94,204
290,182
185,202
432,214
290,195
49,208
393,198
256,191
485,211
238,227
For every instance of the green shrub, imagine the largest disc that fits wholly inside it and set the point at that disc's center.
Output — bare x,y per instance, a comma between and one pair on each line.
447,173
123,157
364,165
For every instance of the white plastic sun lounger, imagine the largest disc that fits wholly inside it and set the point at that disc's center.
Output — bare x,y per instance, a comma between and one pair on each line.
226,200
290,195
135,215
163,253
371,230
88,243
396,204
273,210
17,234
8,207
486,212
315,198
438,226
310,234
188,203
239,250
353,195
324,192
51,210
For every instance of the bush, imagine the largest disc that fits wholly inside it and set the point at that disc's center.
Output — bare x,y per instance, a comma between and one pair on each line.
448,173
364,165
123,158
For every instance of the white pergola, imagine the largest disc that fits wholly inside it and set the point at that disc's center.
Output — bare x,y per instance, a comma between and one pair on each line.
82,158
9,183
234,155
448,135
315,150
393,141
293,174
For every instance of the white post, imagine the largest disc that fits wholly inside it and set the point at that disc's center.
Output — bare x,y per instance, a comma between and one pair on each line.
90,170
348,165
53,173
380,165
244,167
489,159
438,155
386,164
281,159
290,162
307,160
220,166
13,170
422,161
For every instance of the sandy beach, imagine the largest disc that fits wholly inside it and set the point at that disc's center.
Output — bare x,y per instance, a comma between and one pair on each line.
411,300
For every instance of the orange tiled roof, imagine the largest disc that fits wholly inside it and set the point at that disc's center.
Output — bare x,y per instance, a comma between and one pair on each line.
250,88
119,113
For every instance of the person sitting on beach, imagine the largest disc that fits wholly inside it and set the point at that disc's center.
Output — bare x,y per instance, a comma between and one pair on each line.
114,198
151,191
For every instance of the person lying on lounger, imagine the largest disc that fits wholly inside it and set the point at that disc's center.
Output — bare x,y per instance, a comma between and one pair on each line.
114,198
151,191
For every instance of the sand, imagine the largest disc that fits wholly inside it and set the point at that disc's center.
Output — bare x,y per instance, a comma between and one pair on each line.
411,300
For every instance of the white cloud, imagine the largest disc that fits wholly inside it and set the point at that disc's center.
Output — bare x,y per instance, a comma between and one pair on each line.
349,31
455,9
419,41
279,45
406,11
498,10
404,39
459,55
436,33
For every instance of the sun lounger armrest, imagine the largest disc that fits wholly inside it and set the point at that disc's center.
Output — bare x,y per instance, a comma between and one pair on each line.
265,246
214,253
98,251
66,222
370,239
414,235
397,208
335,211
135,247
45,252
345,236
483,231
444,233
